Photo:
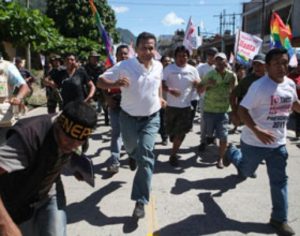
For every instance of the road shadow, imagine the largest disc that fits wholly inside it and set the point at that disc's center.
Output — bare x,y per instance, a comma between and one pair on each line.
97,153
221,184
162,164
210,155
213,221
88,210
101,168
167,151
104,136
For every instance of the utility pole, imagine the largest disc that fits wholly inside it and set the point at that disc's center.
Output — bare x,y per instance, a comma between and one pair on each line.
225,25
221,16
233,24
28,52
224,21
263,13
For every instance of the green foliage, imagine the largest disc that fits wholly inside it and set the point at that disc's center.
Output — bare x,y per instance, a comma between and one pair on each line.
80,46
22,26
74,18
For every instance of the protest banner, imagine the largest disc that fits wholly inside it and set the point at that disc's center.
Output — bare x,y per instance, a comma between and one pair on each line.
246,47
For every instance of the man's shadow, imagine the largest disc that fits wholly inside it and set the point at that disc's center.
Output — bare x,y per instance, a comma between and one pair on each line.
221,184
165,167
212,222
104,136
88,210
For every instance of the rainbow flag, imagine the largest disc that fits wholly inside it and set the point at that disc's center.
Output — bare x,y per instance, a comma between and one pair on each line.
242,59
104,35
281,34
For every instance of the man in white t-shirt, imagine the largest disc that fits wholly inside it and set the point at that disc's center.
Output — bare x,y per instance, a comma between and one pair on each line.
179,81
140,81
265,111
203,69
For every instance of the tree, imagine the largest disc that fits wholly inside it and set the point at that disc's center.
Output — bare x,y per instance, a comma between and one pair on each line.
22,26
80,46
74,18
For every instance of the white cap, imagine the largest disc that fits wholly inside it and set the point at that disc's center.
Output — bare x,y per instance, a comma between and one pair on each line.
221,55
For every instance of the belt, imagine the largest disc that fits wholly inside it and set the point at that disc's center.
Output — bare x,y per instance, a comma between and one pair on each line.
139,118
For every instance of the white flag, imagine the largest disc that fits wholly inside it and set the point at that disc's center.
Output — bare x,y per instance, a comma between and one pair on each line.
293,61
191,40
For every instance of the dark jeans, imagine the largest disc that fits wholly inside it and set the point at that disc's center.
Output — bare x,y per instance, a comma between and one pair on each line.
297,123
194,105
162,128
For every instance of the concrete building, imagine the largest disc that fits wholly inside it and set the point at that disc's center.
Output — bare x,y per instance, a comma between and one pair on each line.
167,44
257,16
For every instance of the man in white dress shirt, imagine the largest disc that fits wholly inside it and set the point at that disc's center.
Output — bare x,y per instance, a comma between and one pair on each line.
140,81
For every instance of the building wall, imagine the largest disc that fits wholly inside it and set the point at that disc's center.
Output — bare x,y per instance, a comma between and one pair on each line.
289,10
296,18
252,20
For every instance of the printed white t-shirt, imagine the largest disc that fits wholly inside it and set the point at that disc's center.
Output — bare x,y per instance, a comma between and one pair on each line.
181,78
269,104
141,97
203,69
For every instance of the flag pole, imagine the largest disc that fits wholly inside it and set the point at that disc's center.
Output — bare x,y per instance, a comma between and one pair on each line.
290,12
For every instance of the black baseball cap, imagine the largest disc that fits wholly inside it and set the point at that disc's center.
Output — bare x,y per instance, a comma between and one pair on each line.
261,58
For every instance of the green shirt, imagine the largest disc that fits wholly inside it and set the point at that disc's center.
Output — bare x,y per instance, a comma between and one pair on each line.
216,99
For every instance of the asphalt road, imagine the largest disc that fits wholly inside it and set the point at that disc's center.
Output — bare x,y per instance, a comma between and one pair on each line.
193,199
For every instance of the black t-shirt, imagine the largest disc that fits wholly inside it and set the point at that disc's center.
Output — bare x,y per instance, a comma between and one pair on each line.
25,73
75,88
242,88
58,75
94,71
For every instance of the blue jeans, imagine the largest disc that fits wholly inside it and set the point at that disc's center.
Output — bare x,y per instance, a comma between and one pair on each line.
247,160
216,123
48,220
116,141
139,139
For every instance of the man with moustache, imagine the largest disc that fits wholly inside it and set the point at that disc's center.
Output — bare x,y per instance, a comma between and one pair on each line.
139,79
